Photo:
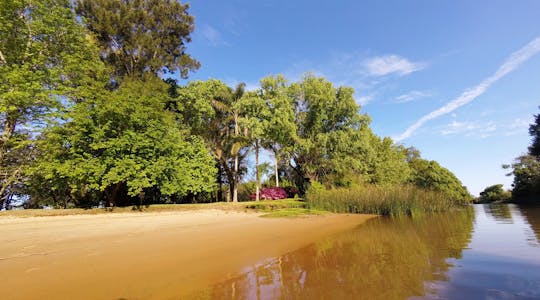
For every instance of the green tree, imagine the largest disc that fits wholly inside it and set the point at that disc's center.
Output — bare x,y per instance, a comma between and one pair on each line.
494,193
534,131
140,36
327,121
45,56
254,116
280,127
526,168
526,171
123,144
431,175
210,108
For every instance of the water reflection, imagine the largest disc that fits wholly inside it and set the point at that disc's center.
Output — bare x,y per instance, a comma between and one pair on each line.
503,259
382,259
498,211
532,216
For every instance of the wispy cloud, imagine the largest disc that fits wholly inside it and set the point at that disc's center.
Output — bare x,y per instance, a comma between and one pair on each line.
363,100
391,64
512,63
470,129
412,96
484,129
213,36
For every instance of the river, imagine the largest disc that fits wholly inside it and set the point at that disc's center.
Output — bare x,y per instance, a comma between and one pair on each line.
484,252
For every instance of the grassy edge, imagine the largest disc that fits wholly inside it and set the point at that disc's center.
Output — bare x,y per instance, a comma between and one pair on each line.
253,206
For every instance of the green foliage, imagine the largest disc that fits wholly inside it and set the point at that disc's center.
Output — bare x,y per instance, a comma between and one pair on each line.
126,140
494,193
327,128
526,169
136,37
382,200
526,185
534,132
45,57
432,176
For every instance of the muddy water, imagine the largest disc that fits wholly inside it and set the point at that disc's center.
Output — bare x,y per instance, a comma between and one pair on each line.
486,252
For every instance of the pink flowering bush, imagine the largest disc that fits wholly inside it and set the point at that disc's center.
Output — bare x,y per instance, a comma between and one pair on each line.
271,193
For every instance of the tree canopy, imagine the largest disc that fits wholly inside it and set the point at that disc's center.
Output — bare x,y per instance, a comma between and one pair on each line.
139,36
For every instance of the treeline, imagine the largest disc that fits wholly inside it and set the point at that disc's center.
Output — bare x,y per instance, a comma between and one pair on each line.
87,118
526,172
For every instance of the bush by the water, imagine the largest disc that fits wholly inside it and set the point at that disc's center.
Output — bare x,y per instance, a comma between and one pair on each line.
381,200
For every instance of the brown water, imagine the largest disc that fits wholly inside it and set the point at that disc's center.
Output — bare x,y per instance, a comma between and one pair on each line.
486,252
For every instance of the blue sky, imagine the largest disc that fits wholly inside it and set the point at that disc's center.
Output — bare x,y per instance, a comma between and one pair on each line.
475,62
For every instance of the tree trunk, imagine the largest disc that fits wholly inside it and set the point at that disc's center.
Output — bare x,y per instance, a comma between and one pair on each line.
8,129
276,172
220,184
257,173
236,133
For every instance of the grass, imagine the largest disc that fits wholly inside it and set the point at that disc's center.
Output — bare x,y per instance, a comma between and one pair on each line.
265,206
380,200
293,212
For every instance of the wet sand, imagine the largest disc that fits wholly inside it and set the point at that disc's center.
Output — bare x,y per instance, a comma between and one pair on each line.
145,255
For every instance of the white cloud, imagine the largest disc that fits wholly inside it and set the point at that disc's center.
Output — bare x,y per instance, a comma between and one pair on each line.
412,96
470,129
483,129
212,36
512,63
390,64
363,100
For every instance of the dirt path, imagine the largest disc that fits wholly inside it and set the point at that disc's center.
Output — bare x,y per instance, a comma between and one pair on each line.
144,256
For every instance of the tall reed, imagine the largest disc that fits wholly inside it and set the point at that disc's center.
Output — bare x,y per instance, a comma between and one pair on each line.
381,200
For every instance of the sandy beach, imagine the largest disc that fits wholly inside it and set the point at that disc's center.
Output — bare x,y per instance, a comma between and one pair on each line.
145,255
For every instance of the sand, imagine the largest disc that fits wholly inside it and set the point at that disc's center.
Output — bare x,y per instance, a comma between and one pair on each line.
145,255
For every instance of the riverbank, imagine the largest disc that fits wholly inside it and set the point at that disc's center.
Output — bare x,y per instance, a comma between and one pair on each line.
145,255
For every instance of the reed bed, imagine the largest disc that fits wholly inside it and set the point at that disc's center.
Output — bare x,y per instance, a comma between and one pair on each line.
380,200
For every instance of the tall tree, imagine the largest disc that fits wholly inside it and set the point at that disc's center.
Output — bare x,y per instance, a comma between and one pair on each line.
140,36
534,131
44,56
280,128
124,144
327,121
254,121
209,107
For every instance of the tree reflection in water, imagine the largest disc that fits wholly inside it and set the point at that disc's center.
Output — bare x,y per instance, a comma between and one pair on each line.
383,259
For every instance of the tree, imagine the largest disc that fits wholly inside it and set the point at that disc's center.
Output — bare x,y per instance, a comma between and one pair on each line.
123,144
534,131
253,119
210,108
328,127
432,176
141,36
280,127
494,193
526,171
45,56
526,168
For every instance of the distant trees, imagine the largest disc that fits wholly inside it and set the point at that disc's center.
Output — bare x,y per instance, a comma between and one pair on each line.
526,169
494,193
431,175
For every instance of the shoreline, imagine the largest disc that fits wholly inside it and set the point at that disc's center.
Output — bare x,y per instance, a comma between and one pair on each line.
150,255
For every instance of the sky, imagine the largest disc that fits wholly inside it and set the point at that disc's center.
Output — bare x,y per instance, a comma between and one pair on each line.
458,80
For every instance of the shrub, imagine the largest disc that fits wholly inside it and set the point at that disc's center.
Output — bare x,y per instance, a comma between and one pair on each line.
271,193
